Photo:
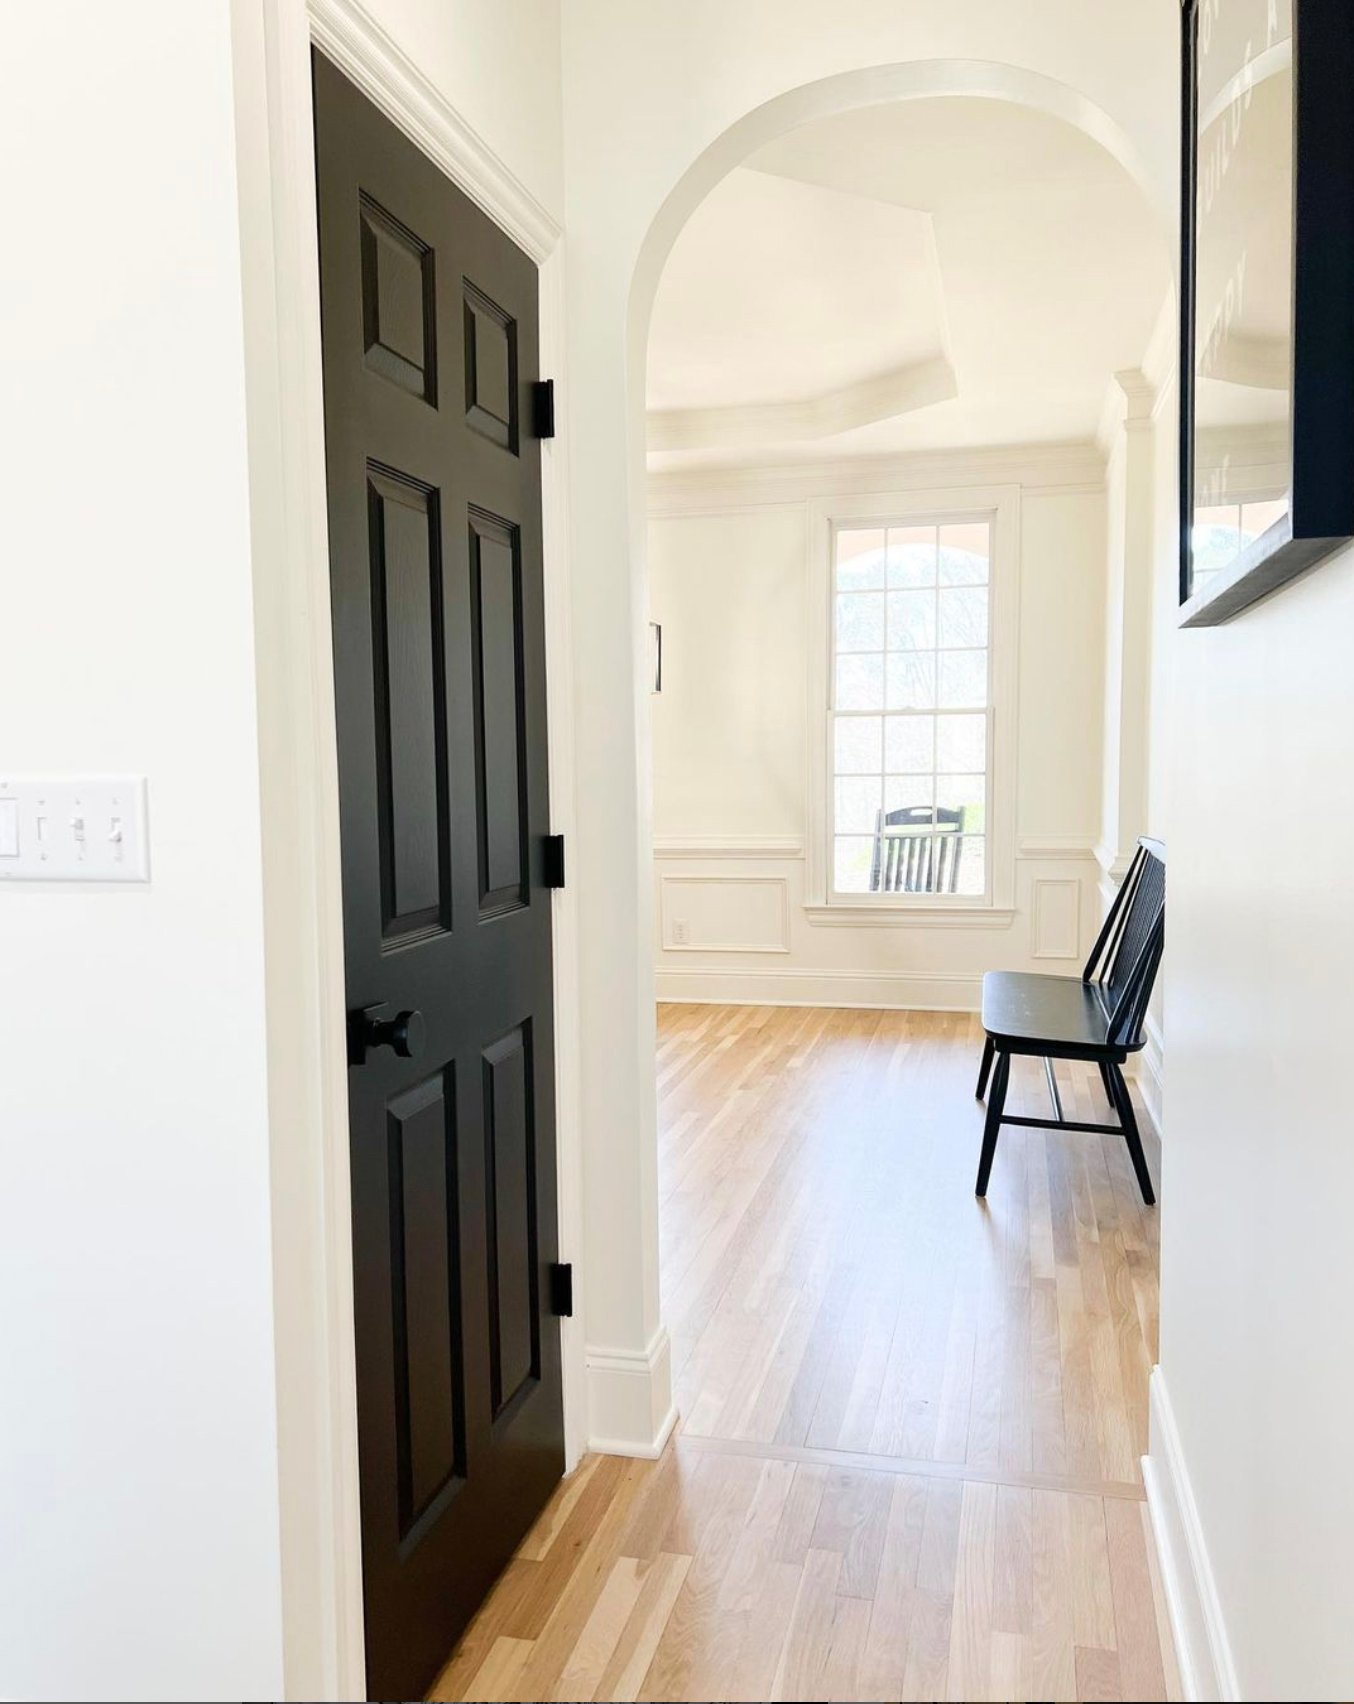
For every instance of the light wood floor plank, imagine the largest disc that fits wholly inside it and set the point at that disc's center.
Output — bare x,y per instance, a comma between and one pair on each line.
907,1465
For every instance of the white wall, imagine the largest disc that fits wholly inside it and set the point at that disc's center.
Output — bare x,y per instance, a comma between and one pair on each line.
150,1549
732,747
499,67
1258,1168
139,1433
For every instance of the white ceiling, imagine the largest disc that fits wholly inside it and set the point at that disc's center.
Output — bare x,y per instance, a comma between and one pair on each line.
925,275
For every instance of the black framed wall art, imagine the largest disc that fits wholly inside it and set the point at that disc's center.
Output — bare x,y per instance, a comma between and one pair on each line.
1266,297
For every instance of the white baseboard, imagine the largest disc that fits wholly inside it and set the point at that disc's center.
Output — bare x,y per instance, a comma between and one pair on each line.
630,1407
1147,1070
726,985
1202,1649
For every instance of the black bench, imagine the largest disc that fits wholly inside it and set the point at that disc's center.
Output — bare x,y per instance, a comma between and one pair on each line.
1098,1015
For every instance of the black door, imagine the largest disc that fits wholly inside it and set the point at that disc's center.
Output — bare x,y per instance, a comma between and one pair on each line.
430,348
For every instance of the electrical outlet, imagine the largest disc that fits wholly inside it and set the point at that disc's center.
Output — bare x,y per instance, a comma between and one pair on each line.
681,932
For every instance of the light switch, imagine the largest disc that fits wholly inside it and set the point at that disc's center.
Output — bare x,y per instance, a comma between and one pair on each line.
73,828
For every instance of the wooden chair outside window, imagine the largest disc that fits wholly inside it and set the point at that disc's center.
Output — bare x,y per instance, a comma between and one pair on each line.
917,849
1098,1016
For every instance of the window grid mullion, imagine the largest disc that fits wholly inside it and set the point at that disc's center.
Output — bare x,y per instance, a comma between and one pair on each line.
935,651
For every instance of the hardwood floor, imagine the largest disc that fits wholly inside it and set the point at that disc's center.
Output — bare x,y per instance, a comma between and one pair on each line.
907,1466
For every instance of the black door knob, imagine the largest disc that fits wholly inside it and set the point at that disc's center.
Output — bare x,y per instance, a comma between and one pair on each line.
405,1034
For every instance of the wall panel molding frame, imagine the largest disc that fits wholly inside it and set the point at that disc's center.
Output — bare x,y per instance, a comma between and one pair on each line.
1055,918
722,913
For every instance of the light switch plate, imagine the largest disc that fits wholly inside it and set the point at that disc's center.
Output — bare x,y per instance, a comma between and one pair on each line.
73,828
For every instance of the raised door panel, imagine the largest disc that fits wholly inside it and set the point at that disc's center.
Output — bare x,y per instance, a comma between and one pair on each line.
398,295
490,369
425,1297
409,677
496,623
510,1173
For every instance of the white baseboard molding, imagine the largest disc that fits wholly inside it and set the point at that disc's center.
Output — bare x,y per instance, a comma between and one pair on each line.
1202,1649
727,985
630,1407
1149,1071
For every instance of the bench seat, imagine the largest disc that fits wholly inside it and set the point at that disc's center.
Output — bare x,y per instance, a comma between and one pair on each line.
1024,1012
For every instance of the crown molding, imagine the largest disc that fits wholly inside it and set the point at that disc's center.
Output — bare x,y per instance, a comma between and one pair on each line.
1061,469
884,397
1129,406
372,59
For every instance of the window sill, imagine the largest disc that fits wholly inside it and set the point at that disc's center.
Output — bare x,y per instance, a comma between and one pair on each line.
910,916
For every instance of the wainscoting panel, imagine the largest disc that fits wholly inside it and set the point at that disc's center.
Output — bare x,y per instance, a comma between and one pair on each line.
1056,907
725,914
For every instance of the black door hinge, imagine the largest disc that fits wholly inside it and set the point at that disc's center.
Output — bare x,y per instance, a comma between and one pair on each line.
543,408
562,1291
554,861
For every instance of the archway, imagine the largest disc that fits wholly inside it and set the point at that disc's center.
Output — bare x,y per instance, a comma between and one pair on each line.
847,92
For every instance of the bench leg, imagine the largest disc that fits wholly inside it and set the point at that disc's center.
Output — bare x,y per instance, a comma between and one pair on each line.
995,1106
1124,1105
1109,1086
988,1049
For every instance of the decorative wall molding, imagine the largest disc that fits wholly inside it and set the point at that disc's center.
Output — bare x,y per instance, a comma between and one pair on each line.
905,916
884,397
1057,848
1150,1070
629,1409
1113,864
1055,918
1129,406
715,848
702,932
1051,468
1207,1670
379,66
906,991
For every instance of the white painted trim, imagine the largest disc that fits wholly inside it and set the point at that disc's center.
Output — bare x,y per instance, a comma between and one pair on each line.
321,1573
1002,504
885,396
372,59
1044,468
847,916
1151,1070
1113,864
317,1466
1039,889
774,847
628,1415
669,944
904,991
1056,848
1207,1670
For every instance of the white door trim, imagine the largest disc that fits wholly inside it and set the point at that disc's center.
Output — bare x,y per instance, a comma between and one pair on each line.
321,1582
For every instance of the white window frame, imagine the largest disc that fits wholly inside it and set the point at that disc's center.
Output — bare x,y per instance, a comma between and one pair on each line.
999,504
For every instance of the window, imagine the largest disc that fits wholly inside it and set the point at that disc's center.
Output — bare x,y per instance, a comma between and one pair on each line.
910,709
